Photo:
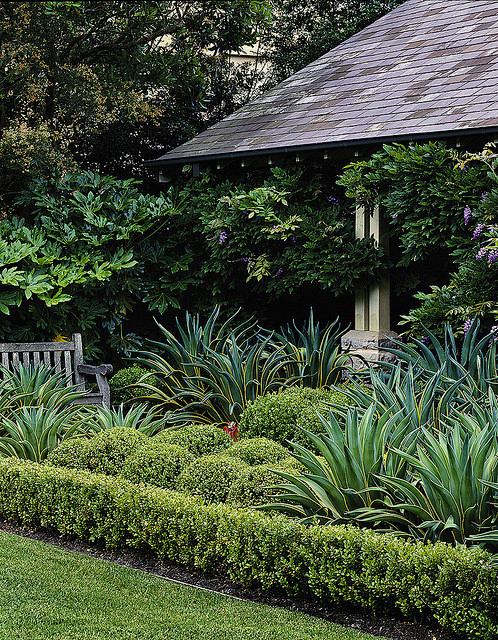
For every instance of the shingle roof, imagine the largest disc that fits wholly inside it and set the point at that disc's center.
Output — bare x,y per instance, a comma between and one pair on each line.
428,67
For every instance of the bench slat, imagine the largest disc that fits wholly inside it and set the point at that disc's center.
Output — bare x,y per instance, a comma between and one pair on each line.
25,358
5,360
68,367
15,360
36,358
20,347
46,359
57,361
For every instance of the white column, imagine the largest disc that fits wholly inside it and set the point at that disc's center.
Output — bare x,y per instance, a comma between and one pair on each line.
379,296
361,303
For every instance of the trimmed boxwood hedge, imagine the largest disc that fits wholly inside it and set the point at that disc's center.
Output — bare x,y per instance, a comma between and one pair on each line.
457,587
107,451
281,415
211,476
257,451
199,439
156,463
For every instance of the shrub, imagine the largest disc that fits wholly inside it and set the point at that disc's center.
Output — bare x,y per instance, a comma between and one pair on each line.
253,487
455,587
279,416
257,451
157,463
211,477
121,381
107,450
35,386
31,433
199,439
70,453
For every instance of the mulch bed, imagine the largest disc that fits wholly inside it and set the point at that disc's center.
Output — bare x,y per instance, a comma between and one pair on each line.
344,615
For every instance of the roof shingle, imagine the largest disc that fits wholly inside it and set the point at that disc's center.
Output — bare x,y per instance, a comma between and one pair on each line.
428,66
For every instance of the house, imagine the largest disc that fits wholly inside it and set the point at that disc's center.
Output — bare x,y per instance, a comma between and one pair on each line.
427,70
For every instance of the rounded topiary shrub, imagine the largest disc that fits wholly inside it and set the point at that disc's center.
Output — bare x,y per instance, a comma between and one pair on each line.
121,381
253,488
157,463
211,477
257,451
107,451
70,453
199,439
279,415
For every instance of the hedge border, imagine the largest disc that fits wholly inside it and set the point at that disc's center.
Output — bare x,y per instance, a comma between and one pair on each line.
456,587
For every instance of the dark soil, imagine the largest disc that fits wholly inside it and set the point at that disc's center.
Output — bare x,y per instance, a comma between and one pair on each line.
344,615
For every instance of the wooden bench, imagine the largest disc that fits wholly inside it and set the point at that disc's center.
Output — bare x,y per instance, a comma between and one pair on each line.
64,357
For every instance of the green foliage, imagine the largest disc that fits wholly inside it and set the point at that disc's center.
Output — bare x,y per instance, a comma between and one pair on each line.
473,361
69,453
211,477
258,484
91,78
276,234
106,452
454,587
315,354
423,399
81,257
31,433
423,191
447,495
37,412
121,383
344,477
211,373
442,207
282,416
417,455
199,439
138,417
156,463
472,289
29,386
257,451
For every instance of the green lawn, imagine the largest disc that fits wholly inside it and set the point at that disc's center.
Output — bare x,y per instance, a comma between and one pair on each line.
48,593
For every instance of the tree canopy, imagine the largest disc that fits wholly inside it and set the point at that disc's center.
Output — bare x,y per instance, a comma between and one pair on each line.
107,83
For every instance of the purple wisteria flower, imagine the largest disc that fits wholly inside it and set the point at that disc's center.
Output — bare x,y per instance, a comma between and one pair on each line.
484,196
478,230
424,339
246,259
493,256
481,253
222,237
467,214
494,330
279,272
333,201
467,325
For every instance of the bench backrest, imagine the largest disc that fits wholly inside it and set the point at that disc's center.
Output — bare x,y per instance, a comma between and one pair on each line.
64,356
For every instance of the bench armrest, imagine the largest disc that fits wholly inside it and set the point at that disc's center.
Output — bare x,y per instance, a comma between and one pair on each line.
100,372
